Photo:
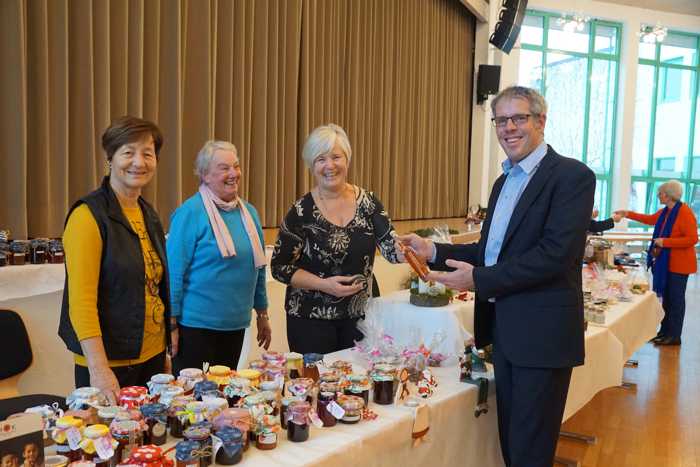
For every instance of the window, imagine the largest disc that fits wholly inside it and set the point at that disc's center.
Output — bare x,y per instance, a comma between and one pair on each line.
577,72
666,130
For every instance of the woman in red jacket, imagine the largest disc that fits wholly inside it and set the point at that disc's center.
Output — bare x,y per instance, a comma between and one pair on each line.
671,256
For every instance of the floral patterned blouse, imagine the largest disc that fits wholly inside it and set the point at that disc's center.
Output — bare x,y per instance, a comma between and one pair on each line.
308,241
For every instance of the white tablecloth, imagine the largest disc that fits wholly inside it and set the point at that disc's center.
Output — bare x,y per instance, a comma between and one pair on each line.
30,279
634,322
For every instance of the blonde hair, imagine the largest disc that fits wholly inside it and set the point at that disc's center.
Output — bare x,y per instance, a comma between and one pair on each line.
322,140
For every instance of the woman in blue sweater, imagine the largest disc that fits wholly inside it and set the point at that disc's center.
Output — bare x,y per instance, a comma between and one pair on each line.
217,266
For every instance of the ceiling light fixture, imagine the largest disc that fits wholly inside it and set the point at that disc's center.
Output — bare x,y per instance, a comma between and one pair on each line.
573,23
652,34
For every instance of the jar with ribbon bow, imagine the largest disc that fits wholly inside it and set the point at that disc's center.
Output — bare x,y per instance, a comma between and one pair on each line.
202,435
237,389
268,427
98,446
68,433
156,418
178,417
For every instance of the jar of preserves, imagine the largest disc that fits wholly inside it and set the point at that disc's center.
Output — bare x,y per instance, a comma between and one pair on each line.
156,417
97,445
231,450
205,386
188,377
256,365
301,387
298,421
274,358
275,373
345,368
267,435
129,435
187,453
106,415
170,392
38,250
272,401
67,434
352,405
311,362
324,410
384,383
87,399
237,389
55,251
178,416
196,412
133,397
359,385
251,375
159,382
19,250
220,374
149,456
295,364
214,406
242,419
202,435
284,406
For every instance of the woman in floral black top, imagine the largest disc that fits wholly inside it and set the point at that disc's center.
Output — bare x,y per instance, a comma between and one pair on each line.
325,249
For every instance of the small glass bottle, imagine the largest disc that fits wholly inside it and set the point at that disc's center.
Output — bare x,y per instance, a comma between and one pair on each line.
295,364
298,421
67,434
231,450
418,265
187,453
311,361
156,416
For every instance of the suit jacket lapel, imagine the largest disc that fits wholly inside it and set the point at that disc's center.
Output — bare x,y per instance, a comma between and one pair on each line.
493,198
538,181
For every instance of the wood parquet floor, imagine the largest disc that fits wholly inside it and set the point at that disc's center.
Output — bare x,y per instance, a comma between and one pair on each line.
656,425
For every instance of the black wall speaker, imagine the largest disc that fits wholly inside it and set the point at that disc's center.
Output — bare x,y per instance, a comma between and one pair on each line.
508,26
487,82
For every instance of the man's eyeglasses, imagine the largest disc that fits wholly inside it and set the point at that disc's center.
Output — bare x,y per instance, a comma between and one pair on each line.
517,119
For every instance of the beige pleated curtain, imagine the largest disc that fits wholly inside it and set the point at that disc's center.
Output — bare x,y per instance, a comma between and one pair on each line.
396,74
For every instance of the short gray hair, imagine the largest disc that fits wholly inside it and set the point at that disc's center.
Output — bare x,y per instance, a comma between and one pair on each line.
206,154
322,140
673,189
538,105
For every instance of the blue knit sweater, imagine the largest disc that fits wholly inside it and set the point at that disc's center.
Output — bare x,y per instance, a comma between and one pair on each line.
206,290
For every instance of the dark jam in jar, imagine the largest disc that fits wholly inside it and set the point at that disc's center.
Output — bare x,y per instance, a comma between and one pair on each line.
298,421
325,398
384,392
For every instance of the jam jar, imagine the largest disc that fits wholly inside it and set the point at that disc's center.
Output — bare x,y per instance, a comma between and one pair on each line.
301,387
274,358
214,406
352,405
275,373
298,421
178,417
241,419
3,258
251,375
324,399
256,365
266,438
55,251
188,377
170,392
311,362
342,366
384,380
19,250
204,386
220,374
68,434
284,406
272,400
156,417
231,450
295,364
149,456
38,250
196,412
159,382
358,386
106,415
133,397
129,435
98,446
187,453
203,436
237,389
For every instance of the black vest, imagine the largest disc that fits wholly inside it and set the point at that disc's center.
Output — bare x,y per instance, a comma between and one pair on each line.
121,288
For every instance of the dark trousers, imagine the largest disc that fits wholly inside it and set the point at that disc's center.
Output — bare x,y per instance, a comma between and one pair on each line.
674,304
308,335
130,375
530,404
197,345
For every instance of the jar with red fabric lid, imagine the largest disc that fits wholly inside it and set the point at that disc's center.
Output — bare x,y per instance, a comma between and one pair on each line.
149,455
133,397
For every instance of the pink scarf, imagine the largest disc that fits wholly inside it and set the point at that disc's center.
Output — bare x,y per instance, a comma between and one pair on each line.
221,233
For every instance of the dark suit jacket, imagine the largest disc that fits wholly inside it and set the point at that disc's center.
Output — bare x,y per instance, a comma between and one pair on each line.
538,313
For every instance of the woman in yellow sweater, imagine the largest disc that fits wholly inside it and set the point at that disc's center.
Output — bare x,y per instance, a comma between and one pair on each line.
115,316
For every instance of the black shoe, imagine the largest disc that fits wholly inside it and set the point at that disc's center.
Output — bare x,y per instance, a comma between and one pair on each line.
668,340
657,337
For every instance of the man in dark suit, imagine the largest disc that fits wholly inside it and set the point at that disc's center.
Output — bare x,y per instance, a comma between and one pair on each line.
526,270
